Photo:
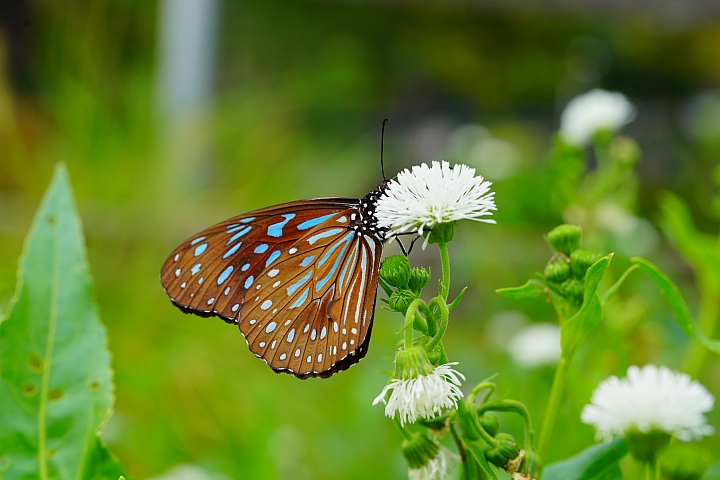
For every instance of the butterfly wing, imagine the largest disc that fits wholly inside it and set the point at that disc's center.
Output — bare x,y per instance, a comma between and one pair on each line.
311,314
284,273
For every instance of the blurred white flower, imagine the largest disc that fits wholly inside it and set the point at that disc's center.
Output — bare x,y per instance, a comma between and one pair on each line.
438,468
189,472
536,345
425,196
592,112
422,396
650,398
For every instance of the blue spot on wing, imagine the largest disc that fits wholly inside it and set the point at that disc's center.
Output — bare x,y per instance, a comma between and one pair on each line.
301,300
346,241
314,221
232,250
293,288
249,282
275,230
261,248
246,220
351,259
273,256
239,234
197,240
306,261
326,233
200,249
225,274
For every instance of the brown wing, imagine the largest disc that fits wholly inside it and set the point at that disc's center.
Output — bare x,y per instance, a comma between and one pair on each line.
207,274
311,313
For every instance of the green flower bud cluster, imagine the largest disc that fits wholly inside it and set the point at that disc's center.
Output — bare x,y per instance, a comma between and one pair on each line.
505,452
419,450
567,269
408,282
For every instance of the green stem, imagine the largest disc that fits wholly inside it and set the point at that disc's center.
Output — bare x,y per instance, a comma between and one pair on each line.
406,435
512,406
410,320
551,412
445,259
708,312
444,315
651,470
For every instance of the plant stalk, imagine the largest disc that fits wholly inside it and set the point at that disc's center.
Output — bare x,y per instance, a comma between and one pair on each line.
551,412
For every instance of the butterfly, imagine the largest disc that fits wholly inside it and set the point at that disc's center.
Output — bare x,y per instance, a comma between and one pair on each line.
299,279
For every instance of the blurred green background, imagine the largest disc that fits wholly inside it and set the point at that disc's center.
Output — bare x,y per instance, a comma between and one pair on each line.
284,101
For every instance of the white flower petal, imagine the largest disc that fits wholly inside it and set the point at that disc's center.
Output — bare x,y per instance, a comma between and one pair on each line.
425,196
424,396
650,398
591,112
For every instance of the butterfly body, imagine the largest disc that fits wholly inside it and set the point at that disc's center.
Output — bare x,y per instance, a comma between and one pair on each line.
299,279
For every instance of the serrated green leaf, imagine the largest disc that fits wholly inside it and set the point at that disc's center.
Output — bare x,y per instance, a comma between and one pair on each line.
56,387
598,462
574,330
532,289
677,304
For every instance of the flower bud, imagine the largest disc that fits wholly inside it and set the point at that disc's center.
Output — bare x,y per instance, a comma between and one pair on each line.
572,288
684,462
443,232
419,450
580,260
401,299
489,423
505,452
396,271
419,277
558,271
645,446
411,363
531,465
565,238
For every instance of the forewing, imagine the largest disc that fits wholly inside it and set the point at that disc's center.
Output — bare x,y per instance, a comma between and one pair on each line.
311,313
210,273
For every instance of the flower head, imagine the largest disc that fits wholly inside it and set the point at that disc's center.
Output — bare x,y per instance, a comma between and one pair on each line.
438,468
592,112
650,399
427,196
420,390
536,345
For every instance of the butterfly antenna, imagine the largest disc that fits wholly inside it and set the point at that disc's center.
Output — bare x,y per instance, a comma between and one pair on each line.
402,247
382,148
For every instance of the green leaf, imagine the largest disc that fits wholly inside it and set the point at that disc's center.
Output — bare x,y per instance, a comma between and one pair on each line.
676,303
574,330
598,462
532,289
701,250
56,388
475,449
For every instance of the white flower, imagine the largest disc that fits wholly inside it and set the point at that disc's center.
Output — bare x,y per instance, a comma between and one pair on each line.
425,196
423,396
536,345
591,112
438,468
650,398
